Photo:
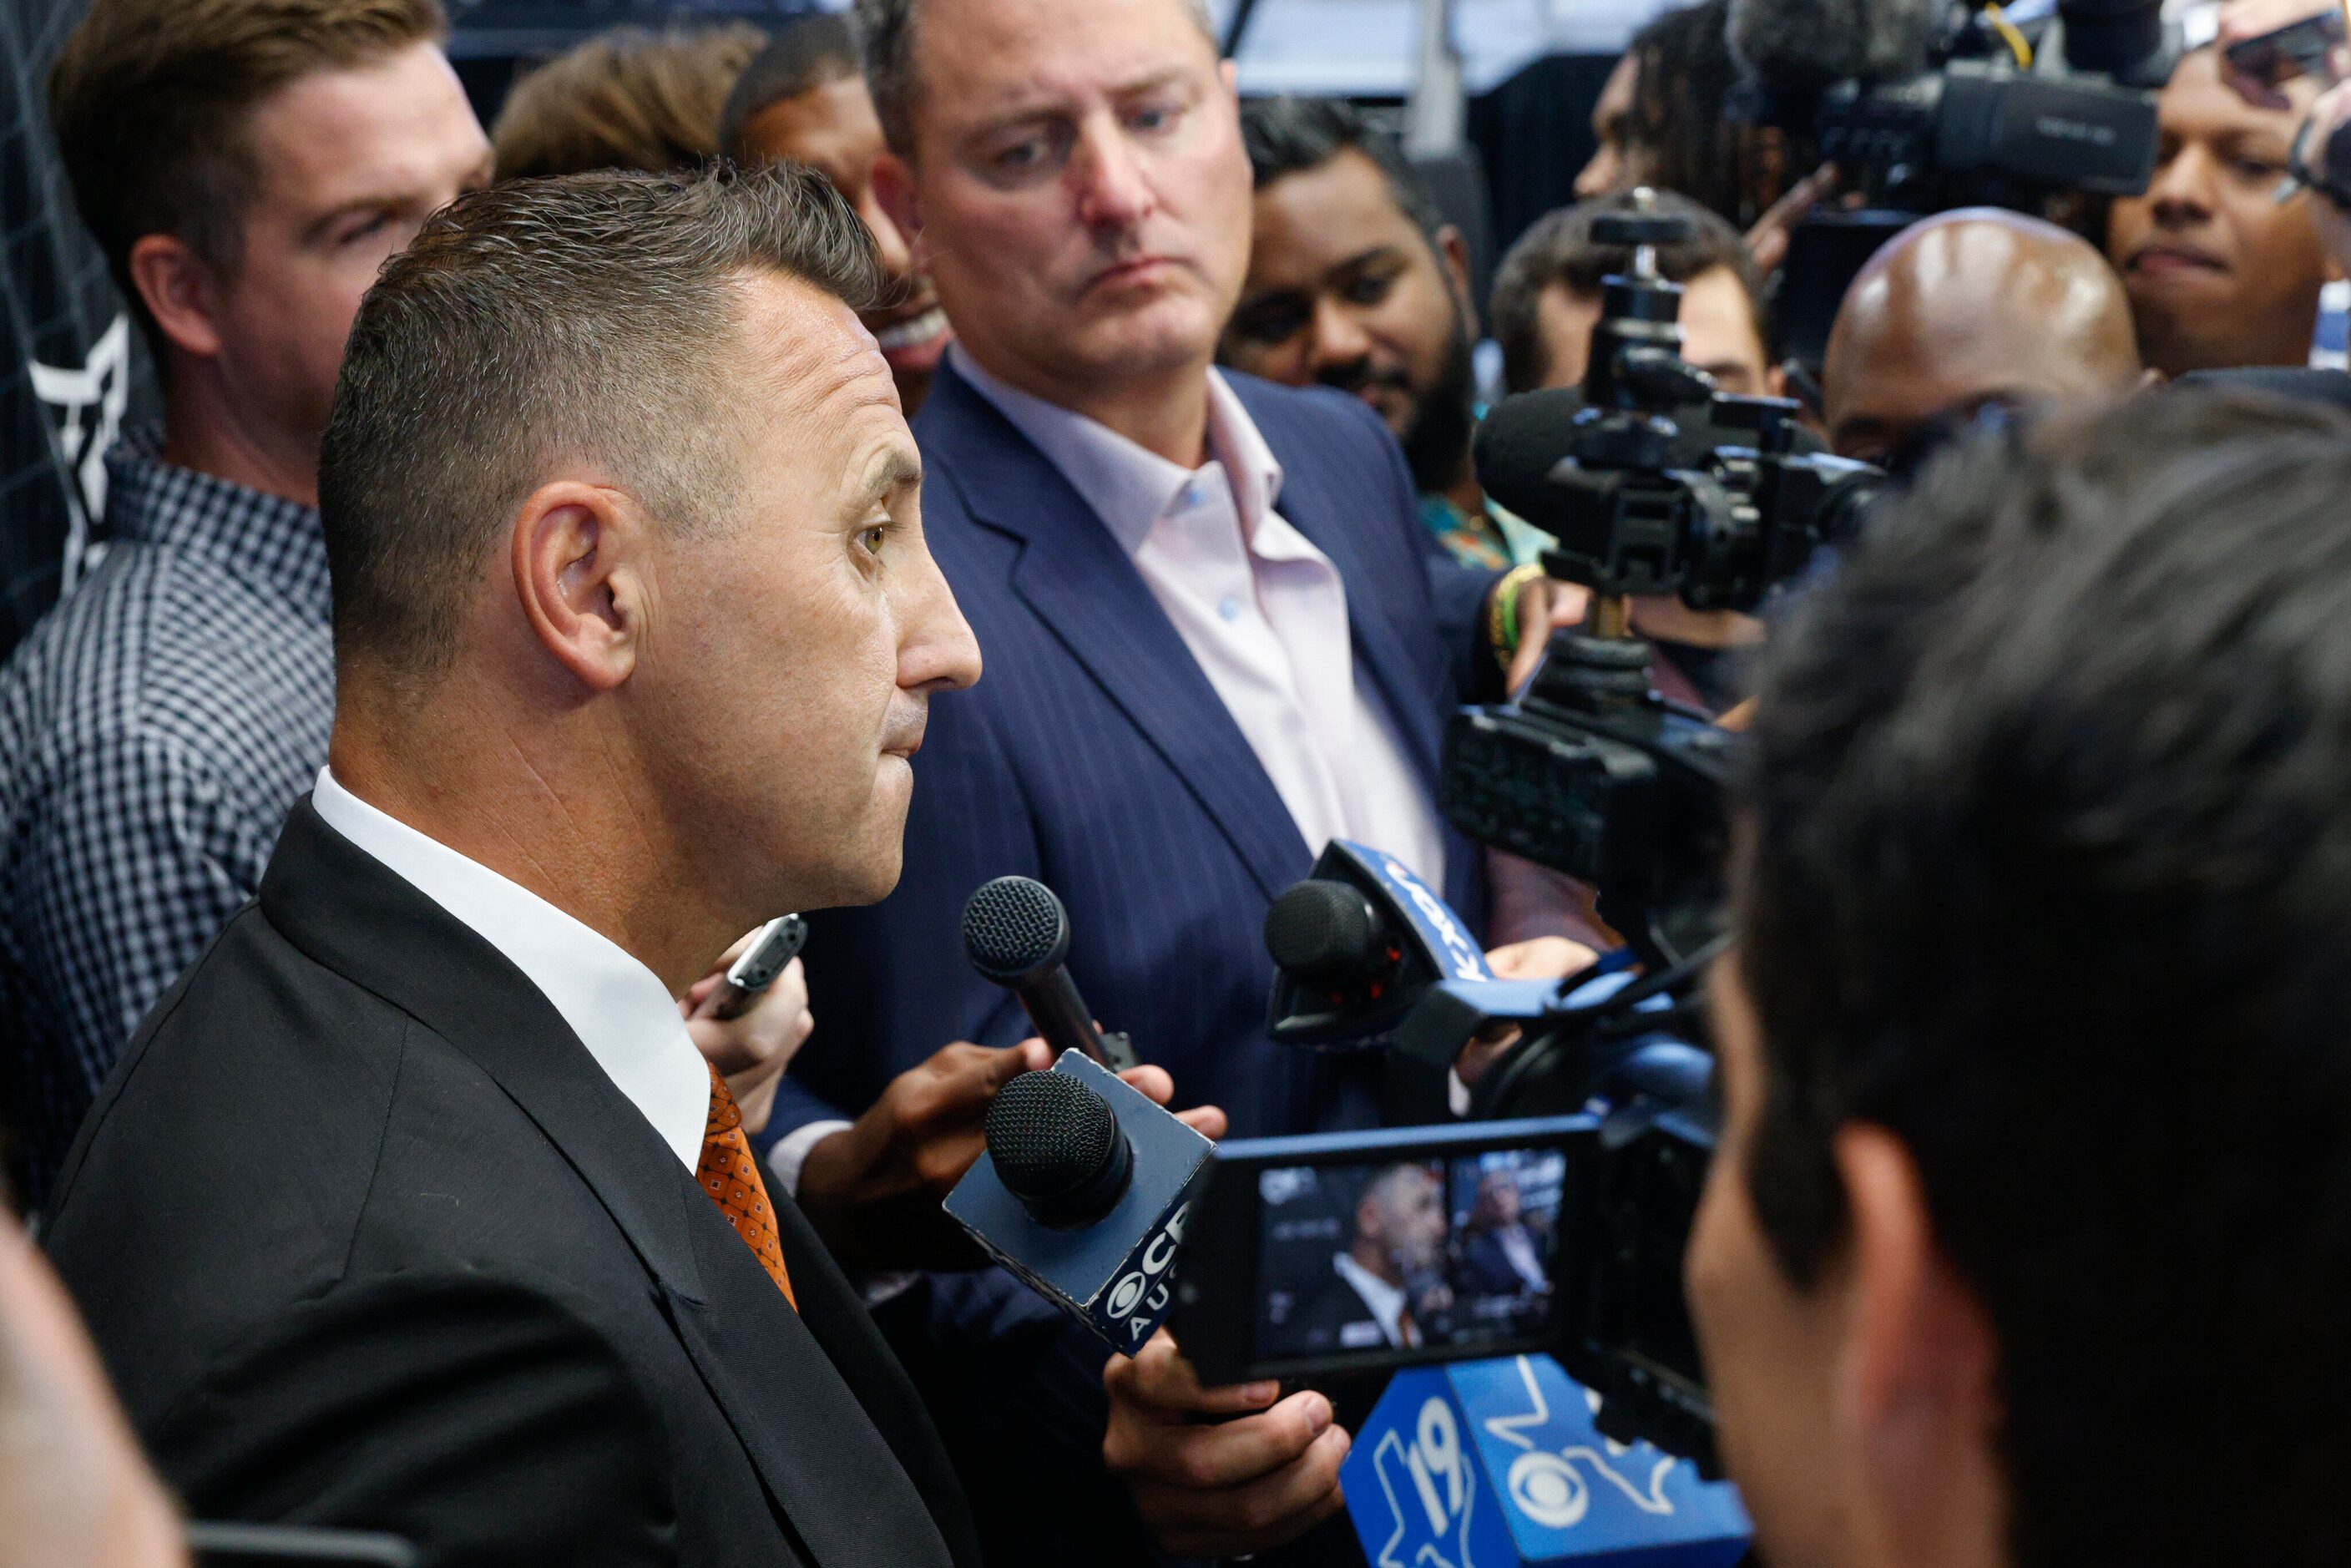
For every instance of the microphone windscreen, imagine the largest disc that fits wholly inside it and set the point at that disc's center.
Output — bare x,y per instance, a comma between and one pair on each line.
1519,442
1048,1134
1797,48
1057,1146
1013,927
1325,933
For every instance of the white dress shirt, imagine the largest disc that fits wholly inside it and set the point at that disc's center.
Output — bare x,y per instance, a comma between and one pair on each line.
1385,1302
617,1006
1262,610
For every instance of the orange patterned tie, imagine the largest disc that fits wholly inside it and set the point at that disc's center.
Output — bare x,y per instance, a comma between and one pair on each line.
731,1177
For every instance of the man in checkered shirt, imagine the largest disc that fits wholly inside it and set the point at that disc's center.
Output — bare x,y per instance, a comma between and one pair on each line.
157,726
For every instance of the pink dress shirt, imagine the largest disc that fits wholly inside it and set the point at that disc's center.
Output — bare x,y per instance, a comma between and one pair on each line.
1262,610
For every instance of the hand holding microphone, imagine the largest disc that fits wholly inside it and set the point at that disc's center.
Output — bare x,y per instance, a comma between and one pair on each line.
1086,1184
749,1015
873,1189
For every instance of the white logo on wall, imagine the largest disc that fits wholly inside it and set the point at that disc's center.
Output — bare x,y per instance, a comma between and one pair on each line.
87,402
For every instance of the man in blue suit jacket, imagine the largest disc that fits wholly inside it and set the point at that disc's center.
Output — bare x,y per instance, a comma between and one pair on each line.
1215,635
1096,756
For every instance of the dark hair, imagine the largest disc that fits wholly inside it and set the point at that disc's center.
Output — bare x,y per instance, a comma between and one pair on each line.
1292,135
2048,873
1558,248
885,38
627,98
1683,71
150,100
808,52
587,317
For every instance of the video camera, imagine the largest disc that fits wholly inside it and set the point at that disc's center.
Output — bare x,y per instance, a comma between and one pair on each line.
1363,964
1925,109
1652,485
1978,114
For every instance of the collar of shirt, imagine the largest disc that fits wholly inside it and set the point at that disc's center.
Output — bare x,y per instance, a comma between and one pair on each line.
617,1006
1385,1300
1129,486
265,538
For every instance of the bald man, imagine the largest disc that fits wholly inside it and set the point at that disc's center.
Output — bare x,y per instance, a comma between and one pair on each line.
1967,310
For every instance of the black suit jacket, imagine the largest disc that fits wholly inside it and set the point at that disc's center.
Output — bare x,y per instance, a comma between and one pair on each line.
366,1237
1332,1319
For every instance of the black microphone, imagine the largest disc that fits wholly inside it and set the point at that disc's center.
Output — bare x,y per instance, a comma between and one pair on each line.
1327,934
1059,1148
1016,933
1355,945
1521,439
1083,1194
1086,1184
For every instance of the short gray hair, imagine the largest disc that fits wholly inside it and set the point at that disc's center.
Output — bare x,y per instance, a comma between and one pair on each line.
589,316
885,34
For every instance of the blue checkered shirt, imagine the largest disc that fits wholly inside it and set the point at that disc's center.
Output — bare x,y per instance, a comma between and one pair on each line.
154,730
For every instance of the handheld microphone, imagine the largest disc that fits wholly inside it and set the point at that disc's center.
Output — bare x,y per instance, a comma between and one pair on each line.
1059,1149
1498,1463
1355,945
1016,933
1084,1194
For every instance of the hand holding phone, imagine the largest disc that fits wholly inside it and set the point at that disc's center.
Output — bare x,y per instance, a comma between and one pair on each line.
2268,43
778,942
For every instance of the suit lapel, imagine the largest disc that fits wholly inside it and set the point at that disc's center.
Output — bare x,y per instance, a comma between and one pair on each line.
833,1475
1088,594
821,1459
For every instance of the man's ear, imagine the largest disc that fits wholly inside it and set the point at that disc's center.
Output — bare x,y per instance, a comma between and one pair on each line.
1917,1401
894,188
180,290
1453,254
579,574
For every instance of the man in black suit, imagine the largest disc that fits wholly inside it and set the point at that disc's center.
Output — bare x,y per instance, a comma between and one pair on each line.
414,1206
1387,1288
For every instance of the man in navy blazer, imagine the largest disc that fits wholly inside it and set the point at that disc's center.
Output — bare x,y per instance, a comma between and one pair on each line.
1216,636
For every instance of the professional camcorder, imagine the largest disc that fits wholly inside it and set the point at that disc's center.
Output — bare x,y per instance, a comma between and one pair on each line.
1365,963
1957,106
1928,107
1654,485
